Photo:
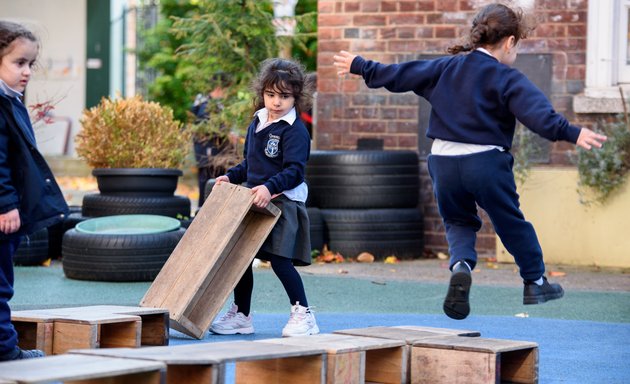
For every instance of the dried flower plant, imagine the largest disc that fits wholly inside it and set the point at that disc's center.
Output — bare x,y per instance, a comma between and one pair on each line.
132,133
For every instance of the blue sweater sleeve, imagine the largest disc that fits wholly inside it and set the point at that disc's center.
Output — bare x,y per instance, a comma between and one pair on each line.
416,76
532,108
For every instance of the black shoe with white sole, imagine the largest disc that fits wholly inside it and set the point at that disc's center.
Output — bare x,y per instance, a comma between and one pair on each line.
456,305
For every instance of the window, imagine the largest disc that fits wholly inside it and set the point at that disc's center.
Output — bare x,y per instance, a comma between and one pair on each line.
607,58
624,42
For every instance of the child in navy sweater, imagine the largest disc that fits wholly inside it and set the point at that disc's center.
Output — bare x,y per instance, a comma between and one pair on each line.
277,147
476,99
30,199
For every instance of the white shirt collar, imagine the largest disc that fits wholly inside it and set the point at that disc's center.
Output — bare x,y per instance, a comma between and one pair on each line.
263,115
480,49
9,91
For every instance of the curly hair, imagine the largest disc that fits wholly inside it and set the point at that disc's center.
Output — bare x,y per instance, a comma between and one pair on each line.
286,76
9,32
493,23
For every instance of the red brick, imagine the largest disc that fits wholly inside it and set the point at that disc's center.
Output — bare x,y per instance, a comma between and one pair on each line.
324,6
406,32
406,19
446,5
352,6
408,142
408,113
576,72
426,6
370,6
369,33
369,46
361,20
577,30
424,32
333,20
387,33
403,127
329,34
334,45
389,6
444,32
465,5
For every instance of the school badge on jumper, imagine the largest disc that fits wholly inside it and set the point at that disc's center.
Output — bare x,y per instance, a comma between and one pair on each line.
271,150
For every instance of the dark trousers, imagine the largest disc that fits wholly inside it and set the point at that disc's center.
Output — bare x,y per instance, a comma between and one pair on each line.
205,171
286,272
460,183
8,336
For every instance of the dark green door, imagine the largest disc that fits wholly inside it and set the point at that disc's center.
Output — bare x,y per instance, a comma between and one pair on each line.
98,42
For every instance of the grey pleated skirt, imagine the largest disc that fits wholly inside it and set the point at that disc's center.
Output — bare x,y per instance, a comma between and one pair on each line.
290,237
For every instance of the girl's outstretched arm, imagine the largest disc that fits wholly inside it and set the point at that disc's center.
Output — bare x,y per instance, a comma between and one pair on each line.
342,61
589,139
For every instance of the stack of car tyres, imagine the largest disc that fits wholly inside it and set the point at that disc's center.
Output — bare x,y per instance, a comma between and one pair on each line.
368,201
121,195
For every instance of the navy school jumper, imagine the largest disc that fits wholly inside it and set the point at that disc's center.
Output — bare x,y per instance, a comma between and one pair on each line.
476,99
26,183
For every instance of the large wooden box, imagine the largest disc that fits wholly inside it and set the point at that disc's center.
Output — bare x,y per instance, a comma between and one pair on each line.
473,360
211,257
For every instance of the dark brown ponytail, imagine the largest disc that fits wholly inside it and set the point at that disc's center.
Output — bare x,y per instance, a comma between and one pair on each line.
493,23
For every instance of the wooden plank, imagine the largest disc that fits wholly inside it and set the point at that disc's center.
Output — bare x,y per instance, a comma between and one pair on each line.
303,369
337,343
35,335
76,368
448,366
232,351
388,365
348,367
124,334
68,336
181,367
408,334
497,359
196,280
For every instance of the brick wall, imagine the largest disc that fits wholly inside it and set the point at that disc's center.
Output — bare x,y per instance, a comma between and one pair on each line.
394,31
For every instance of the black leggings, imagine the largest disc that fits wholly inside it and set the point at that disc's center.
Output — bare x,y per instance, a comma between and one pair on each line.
286,272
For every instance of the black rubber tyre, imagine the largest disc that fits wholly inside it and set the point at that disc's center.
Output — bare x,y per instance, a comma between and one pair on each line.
381,232
99,205
316,228
55,232
363,179
117,257
33,249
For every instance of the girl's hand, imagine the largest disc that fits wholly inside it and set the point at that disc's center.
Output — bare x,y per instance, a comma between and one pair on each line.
263,196
10,221
343,60
589,139
221,179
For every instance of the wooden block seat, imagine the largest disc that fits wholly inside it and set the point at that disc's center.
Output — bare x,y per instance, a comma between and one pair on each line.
211,257
356,359
82,369
256,362
473,360
408,334
57,330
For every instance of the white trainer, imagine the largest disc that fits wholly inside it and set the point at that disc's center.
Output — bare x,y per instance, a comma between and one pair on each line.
301,322
233,322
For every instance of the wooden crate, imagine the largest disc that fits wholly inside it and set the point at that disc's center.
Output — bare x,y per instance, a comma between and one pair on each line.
356,359
255,362
155,321
408,334
82,369
55,331
182,367
452,359
211,257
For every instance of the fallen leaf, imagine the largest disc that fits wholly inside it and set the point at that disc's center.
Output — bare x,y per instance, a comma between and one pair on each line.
557,273
342,271
365,257
391,260
378,282
442,256
46,263
492,266
522,314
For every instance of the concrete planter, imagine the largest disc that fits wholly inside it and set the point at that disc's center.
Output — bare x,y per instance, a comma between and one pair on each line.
569,232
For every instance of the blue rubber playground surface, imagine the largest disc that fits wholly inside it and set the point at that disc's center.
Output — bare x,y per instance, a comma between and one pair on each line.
582,338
